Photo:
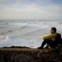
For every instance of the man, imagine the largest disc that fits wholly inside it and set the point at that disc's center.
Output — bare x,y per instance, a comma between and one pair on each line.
52,40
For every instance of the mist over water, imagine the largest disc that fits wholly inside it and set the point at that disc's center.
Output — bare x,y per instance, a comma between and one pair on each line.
25,32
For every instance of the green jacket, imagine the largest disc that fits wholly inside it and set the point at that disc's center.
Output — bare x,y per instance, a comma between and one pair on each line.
52,37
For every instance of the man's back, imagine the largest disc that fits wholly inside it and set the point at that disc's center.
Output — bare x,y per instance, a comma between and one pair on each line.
58,38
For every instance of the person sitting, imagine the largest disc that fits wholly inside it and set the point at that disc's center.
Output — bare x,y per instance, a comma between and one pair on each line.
52,40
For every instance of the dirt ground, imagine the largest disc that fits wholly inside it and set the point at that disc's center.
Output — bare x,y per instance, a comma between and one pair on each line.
30,55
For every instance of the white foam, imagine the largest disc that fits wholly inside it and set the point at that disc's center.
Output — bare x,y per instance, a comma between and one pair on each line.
20,24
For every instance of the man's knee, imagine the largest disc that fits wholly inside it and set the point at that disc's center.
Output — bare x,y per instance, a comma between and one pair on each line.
47,40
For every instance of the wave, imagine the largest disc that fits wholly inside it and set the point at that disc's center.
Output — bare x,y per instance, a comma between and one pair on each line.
29,24
8,42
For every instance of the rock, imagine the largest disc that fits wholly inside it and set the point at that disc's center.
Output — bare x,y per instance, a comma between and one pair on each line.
23,58
30,55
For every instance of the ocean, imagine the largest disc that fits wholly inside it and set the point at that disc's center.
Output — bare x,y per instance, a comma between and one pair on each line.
27,33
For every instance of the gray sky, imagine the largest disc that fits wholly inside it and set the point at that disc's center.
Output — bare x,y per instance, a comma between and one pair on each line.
31,9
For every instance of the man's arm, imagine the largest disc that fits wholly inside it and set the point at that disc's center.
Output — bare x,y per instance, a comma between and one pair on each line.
49,36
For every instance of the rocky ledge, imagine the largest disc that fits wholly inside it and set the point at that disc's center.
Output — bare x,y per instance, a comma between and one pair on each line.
25,54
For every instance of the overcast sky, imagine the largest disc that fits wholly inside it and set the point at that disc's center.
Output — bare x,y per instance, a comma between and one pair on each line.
31,9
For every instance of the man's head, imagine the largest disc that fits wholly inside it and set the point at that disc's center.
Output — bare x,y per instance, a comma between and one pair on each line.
53,30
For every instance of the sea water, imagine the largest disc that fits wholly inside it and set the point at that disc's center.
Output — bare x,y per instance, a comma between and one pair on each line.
27,33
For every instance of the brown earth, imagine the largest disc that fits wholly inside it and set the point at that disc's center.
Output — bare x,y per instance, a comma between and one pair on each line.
30,55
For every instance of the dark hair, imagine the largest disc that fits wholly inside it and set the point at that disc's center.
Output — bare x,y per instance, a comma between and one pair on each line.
53,28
